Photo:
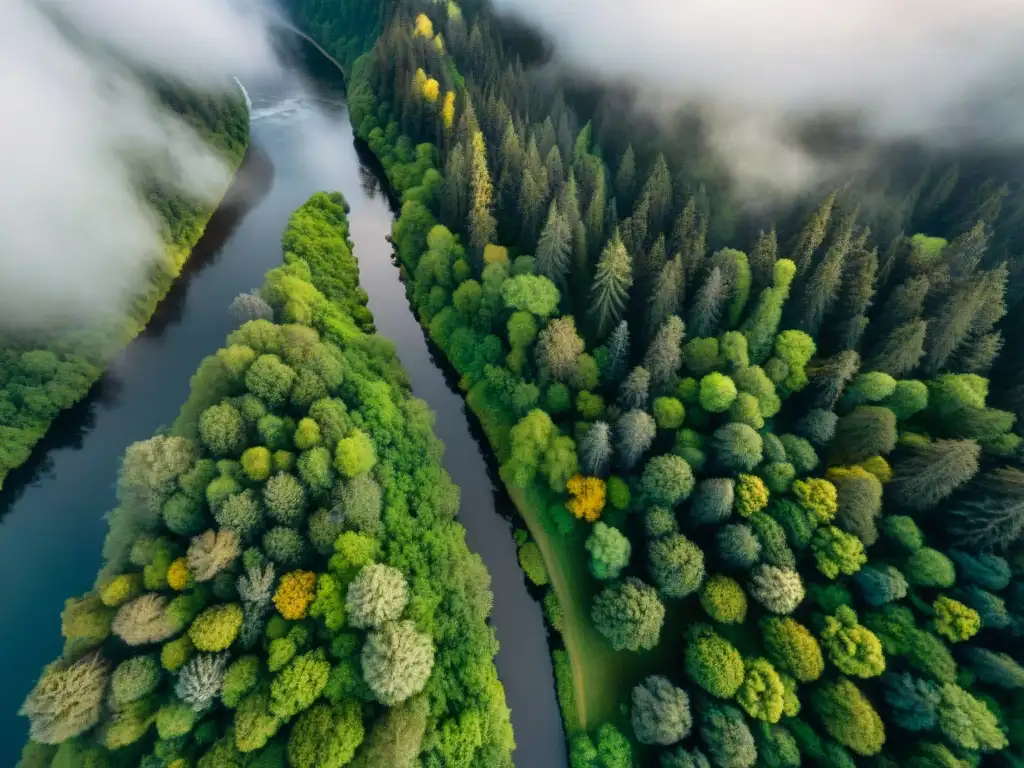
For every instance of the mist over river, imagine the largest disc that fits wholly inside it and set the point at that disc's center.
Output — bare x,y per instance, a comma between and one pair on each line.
52,509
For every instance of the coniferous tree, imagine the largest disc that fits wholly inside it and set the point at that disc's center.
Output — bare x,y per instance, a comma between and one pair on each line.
936,198
969,310
964,255
762,260
992,517
595,450
666,297
554,169
610,290
658,194
647,265
665,353
822,289
980,354
634,229
812,235
905,303
900,351
553,249
482,226
708,305
511,165
634,433
684,229
625,178
634,392
924,474
595,216
831,376
455,193
531,205
618,354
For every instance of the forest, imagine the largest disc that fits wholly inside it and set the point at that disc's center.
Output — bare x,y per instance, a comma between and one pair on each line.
774,481
284,579
46,371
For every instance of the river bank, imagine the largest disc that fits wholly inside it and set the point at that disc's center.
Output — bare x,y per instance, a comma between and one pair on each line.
53,529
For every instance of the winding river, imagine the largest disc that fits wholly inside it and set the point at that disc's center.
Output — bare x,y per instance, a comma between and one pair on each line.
51,510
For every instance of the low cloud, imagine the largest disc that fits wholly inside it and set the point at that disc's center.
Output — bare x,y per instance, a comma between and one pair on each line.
943,72
79,129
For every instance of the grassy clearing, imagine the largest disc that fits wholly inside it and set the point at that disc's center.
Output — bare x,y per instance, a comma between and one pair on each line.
601,677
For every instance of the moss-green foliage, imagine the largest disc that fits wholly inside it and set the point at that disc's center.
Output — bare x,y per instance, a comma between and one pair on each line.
865,438
712,662
192,590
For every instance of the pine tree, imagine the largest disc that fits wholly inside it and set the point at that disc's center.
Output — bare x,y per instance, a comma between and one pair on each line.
964,255
925,474
610,290
666,298
900,351
708,305
634,229
812,235
762,260
658,192
554,247
830,377
992,517
635,390
979,355
511,165
618,347
555,170
823,288
684,230
482,226
594,219
455,193
625,178
952,325
905,303
859,285
665,353
938,195
634,433
595,450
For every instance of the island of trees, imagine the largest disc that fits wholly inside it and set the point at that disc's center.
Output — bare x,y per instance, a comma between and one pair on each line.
284,580
49,370
777,492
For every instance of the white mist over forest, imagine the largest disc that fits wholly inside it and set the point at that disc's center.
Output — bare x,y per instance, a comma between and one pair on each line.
79,131
943,72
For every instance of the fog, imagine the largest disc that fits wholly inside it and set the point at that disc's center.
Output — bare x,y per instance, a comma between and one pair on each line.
76,239
944,72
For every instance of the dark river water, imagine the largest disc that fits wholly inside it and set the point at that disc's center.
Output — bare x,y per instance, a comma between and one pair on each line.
52,510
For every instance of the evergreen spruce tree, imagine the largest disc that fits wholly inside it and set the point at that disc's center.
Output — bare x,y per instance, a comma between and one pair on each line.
664,354
618,347
610,290
482,226
554,247
708,305
762,260
666,296
812,235
625,178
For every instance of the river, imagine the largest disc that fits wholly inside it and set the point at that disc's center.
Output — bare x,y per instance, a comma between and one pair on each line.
52,509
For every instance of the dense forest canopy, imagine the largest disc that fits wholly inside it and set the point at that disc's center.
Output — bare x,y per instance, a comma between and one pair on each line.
43,371
776,465
284,580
